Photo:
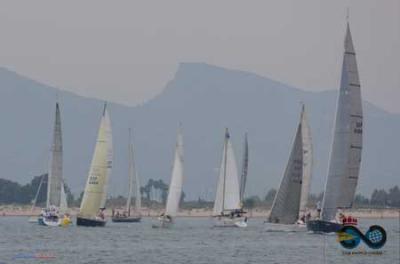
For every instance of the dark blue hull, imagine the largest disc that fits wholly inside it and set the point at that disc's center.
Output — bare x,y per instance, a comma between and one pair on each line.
126,219
320,226
80,221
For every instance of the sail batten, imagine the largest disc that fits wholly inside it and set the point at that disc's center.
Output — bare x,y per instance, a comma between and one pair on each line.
245,167
175,186
345,159
95,193
286,206
307,160
54,177
228,192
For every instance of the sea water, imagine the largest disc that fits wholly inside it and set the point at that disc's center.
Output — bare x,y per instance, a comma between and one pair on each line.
191,240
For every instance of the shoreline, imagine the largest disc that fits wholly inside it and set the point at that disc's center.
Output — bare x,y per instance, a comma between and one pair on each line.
385,213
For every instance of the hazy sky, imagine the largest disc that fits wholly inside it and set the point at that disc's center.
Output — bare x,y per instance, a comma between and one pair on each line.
126,51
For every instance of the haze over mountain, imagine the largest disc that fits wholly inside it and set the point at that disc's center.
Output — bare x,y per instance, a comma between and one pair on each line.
206,99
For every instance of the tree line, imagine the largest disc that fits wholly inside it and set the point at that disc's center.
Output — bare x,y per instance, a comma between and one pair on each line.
380,198
15,193
154,194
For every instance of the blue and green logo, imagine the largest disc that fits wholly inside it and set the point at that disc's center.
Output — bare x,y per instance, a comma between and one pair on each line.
350,237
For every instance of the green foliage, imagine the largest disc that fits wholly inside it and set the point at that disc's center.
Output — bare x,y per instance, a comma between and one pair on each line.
393,198
10,192
198,204
251,202
270,195
361,201
13,192
381,198
155,190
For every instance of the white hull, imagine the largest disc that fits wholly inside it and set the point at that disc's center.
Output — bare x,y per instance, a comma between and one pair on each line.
272,227
52,223
230,222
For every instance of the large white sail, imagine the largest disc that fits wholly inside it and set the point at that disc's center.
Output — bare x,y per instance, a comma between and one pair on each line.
346,149
227,196
286,205
95,193
307,160
245,167
175,186
54,179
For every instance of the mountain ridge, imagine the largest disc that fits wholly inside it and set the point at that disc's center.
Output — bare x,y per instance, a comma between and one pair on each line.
205,99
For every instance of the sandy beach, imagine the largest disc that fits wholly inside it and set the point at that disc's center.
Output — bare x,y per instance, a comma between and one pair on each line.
13,210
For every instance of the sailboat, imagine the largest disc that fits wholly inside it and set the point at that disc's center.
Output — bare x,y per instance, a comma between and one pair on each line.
285,209
92,208
227,208
345,158
134,186
51,215
167,218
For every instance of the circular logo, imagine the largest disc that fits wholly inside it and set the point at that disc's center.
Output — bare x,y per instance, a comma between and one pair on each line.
350,236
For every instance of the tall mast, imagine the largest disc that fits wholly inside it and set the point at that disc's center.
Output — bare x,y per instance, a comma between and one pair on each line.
130,172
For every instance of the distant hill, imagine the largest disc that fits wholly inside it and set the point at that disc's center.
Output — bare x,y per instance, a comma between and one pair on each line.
205,99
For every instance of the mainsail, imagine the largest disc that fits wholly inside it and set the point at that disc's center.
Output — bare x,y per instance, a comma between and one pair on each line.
307,160
286,205
245,167
175,186
346,149
134,184
54,180
95,193
227,197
